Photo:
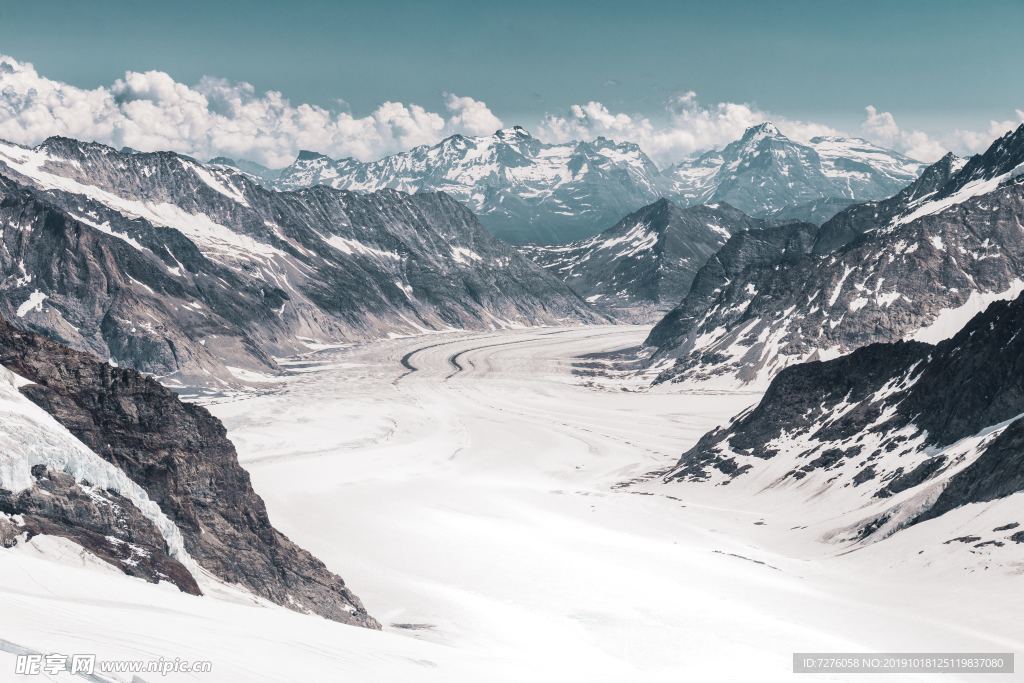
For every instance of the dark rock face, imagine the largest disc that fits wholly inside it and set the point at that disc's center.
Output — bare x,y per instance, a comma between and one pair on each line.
926,253
803,398
766,247
181,269
889,411
103,522
817,212
997,473
646,262
117,301
180,455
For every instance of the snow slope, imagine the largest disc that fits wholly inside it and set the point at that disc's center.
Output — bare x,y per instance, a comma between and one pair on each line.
473,480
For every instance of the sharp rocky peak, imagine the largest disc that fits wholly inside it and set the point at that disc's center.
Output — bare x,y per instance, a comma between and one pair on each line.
308,155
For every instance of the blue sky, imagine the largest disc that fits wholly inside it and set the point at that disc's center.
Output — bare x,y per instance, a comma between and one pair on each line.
935,66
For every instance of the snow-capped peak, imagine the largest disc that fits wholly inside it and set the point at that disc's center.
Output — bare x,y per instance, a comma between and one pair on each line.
766,129
513,133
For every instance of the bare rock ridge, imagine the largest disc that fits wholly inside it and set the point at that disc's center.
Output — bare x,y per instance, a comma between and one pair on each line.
101,521
180,455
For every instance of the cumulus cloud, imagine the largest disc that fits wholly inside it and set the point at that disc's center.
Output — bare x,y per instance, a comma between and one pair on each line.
975,141
470,116
690,126
687,127
881,127
151,111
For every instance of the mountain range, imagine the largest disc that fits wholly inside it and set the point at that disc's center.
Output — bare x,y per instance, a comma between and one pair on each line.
766,174
644,264
199,274
528,191
890,435
915,266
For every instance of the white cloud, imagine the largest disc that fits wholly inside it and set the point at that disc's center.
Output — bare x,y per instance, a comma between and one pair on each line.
881,127
973,141
470,116
151,111
689,126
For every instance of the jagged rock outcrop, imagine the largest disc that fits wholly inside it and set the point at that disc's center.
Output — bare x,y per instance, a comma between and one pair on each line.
101,521
180,456
645,263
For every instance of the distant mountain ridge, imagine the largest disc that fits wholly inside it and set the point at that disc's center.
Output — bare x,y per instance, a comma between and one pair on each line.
528,191
645,263
522,189
765,172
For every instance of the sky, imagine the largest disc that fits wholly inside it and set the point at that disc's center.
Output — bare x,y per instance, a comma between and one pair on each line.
377,77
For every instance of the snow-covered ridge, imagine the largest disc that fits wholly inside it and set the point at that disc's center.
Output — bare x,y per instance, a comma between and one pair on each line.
526,190
765,172
510,179
880,437
40,166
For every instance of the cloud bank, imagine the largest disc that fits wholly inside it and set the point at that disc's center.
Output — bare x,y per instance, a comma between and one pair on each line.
151,111
215,117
